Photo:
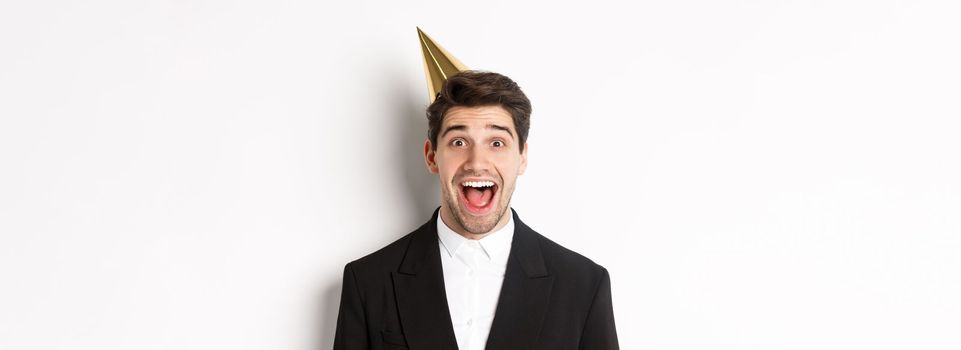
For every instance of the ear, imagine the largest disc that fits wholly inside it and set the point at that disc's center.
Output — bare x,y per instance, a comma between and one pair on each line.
429,157
523,160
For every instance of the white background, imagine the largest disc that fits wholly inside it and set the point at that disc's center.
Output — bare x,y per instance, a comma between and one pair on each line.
755,174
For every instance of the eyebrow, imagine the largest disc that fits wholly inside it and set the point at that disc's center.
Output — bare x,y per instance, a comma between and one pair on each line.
489,126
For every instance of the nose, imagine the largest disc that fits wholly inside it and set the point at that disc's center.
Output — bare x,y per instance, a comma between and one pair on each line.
477,160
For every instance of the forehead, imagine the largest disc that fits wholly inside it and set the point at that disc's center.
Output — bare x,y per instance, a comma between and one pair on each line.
478,116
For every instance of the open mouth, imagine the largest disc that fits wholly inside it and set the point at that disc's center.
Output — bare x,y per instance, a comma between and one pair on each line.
478,196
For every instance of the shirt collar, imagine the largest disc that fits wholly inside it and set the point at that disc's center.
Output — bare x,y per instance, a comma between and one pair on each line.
496,244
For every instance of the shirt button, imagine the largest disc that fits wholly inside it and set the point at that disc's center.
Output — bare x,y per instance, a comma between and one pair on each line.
470,323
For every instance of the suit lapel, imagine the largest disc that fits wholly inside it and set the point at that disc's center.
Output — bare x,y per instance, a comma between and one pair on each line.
524,295
421,295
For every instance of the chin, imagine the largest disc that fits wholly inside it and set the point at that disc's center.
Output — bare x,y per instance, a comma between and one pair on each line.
479,225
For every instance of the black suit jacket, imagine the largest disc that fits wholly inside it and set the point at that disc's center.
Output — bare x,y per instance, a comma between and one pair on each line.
552,298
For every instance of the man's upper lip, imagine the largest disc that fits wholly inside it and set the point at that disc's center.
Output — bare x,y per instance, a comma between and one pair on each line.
466,179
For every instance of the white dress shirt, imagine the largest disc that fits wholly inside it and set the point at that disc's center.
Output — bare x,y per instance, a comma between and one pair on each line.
473,275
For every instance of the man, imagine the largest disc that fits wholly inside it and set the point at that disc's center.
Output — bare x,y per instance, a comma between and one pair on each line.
475,276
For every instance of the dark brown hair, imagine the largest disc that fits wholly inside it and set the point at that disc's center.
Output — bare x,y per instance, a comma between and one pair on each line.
476,89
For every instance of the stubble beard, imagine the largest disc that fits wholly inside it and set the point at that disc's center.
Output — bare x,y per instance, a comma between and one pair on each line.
479,226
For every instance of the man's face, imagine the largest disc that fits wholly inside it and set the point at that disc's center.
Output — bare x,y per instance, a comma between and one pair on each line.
477,159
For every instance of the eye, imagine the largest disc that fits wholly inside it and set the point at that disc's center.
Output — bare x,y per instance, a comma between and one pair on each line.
458,143
497,143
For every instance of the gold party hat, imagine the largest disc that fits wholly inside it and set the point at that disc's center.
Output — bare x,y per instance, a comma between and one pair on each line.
438,64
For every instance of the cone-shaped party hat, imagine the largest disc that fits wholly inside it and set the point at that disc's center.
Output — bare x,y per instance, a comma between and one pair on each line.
438,64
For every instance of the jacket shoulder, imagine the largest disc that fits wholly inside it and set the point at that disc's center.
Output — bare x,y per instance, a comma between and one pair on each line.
387,258
381,263
562,260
